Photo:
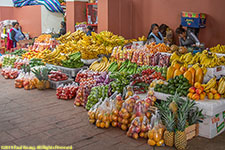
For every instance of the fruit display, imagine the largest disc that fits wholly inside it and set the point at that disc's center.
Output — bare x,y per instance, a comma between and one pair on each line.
121,80
84,74
206,59
178,84
42,76
20,62
89,46
218,49
82,94
116,106
9,73
100,65
155,133
8,61
36,62
154,82
176,115
29,81
57,76
196,92
73,61
66,92
139,128
97,93
214,90
44,38
141,56
126,112
193,74
19,52
55,57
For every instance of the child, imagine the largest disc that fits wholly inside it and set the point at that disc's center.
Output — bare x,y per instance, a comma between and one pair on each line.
89,30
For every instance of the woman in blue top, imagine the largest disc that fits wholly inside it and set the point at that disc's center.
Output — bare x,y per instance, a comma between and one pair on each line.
154,35
16,34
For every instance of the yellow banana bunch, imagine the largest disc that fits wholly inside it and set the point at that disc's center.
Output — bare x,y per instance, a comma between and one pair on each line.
218,49
211,84
221,86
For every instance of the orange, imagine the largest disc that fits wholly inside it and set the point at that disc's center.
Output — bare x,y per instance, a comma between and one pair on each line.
210,95
151,134
160,143
124,127
107,124
213,90
196,96
102,124
157,137
202,96
92,121
142,134
197,85
135,136
114,124
190,95
151,142
192,89
216,96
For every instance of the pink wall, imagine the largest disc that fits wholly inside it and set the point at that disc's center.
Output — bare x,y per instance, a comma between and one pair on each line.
74,13
29,18
146,12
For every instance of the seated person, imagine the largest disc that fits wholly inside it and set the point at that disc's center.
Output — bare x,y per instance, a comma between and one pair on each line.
154,35
167,33
187,38
89,30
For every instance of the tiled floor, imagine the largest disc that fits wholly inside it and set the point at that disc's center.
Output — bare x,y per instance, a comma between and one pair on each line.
39,118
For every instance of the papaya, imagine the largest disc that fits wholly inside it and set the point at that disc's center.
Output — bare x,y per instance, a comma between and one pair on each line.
192,70
170,72
176,65
177,72
199,75
183,69
188,76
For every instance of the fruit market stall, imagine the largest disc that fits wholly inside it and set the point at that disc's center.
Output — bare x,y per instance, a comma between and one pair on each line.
163,94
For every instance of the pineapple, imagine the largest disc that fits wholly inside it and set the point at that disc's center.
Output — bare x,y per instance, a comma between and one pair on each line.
170,124
42,76
180,135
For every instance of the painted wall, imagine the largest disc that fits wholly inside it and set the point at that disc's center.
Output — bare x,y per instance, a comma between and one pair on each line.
33,19
6,3
146,12
75,12
29,18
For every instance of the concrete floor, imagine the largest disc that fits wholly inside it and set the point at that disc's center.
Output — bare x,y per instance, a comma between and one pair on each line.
39,118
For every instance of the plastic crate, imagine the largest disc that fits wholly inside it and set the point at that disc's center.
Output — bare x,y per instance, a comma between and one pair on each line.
56,84
71,72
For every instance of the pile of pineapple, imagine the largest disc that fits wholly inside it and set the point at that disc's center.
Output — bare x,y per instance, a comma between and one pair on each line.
176,115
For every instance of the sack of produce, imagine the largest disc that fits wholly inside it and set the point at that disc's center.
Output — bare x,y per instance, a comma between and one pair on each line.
155,133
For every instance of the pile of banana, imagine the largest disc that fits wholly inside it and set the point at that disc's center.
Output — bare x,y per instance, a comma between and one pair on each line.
209,60
90,46
218,49
211,84
43,53
101,65
54,57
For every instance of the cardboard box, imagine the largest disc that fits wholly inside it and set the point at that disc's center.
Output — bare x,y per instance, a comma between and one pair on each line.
212,125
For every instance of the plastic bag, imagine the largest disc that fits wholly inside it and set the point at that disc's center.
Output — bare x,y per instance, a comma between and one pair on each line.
126,112
103,114
155,133
9,73
19,80
139,127
66,92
